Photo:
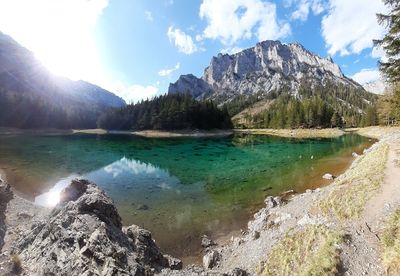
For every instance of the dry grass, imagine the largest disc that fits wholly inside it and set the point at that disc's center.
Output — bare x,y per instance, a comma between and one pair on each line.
391,243
355,186
310,251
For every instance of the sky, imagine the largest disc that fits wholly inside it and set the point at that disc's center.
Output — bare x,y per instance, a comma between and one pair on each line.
135,48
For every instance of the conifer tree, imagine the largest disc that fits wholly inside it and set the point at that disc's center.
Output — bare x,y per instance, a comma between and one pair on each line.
390,42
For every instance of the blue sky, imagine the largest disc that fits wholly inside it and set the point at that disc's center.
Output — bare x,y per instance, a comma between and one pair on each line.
135,48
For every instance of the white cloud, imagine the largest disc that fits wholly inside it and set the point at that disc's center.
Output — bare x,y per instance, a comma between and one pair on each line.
350,26
232,50
233,20
135,93
182,41
149,15
304,7
166,72
379,52
367,75
60,33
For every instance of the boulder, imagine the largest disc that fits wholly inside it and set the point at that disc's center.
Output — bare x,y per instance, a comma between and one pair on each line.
83,235
354,154
211,259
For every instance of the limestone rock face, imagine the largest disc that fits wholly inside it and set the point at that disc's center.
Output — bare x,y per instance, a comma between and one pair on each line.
268,66
83,235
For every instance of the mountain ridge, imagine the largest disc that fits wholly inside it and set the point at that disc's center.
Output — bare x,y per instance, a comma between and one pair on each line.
268,66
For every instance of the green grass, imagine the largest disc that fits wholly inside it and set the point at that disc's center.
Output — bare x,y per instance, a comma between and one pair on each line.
391,243
355,186
310,251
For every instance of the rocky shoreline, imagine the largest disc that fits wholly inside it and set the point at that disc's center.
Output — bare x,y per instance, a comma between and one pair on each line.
83,235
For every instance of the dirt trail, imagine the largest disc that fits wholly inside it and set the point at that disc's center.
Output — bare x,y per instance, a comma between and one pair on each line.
361,252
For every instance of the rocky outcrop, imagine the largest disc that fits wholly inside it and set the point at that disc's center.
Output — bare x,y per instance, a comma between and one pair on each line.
270,65
83,235
5,197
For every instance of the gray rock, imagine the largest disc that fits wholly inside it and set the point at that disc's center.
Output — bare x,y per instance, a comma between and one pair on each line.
211,259
237,272
354,154
83,235
255,235
259,221
206,241
270,202
278,200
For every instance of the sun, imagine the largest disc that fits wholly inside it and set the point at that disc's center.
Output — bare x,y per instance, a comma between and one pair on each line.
61,33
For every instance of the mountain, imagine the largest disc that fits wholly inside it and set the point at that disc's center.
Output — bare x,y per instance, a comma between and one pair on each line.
269,66
33,97
276,85
376,87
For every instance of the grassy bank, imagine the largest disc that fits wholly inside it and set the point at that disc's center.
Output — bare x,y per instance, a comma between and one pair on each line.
353,188
296,133
312,250
391,243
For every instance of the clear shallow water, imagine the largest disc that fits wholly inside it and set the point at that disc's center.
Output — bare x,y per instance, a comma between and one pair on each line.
177,188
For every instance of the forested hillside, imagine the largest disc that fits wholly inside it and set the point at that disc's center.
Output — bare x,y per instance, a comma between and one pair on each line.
321,106
167,112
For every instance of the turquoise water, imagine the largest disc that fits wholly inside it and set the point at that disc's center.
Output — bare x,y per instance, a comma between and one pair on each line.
179,189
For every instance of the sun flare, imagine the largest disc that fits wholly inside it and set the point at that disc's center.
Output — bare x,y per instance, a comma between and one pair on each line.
60,33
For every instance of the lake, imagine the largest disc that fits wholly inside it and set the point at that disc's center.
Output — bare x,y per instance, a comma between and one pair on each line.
179,189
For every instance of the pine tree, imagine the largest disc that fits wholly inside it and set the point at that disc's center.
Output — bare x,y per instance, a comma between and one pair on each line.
391,43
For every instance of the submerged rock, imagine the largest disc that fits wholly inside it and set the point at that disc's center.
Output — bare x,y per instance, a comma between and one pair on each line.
143,207
83,235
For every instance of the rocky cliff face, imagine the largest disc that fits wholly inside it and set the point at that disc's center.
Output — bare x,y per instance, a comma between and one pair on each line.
83,235
268,66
